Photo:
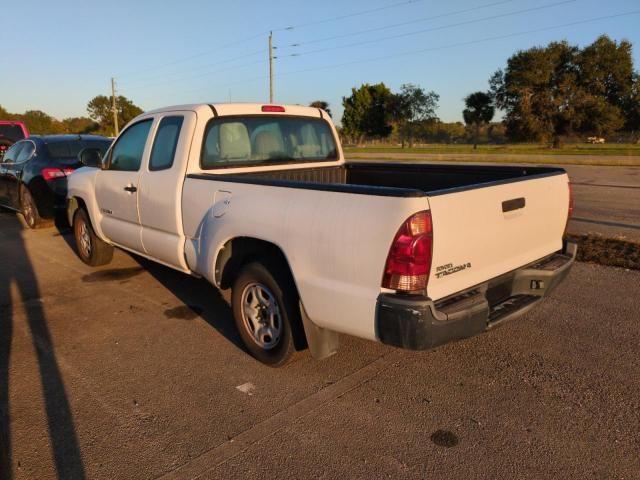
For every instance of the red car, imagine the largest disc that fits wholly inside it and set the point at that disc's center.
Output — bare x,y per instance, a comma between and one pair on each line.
10,133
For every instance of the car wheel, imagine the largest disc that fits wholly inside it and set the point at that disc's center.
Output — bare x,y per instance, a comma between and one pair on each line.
265,305
29,209
91,249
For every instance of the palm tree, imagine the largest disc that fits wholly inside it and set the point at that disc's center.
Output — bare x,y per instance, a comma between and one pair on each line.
322,105
479,111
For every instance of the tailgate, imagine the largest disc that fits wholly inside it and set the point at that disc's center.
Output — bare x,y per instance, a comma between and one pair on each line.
486,231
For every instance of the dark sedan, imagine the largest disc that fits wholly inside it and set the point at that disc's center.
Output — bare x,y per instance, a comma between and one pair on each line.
33,173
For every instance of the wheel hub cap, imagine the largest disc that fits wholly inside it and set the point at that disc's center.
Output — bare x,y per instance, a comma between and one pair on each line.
85,239
261,315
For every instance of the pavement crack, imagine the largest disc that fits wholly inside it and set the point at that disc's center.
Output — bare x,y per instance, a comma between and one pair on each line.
237,445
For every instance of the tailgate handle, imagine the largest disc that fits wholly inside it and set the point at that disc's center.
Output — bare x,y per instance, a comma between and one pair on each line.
513,204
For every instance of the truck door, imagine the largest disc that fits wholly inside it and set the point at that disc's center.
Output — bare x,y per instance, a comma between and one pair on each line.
160,192
117,186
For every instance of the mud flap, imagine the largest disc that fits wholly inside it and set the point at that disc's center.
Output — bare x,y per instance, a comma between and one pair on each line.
322,342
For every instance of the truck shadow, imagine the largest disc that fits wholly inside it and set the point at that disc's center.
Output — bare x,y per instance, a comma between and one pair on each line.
17,274
198,298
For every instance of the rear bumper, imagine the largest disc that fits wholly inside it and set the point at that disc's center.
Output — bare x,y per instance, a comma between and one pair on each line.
418,323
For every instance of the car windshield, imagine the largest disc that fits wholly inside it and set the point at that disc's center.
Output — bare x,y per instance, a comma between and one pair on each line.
239,141
11,132
71,148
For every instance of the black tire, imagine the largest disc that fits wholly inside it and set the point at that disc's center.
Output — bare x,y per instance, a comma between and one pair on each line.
29,209
272,277
91,249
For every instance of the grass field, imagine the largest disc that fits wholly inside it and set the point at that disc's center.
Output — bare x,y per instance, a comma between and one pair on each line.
622,149
577,154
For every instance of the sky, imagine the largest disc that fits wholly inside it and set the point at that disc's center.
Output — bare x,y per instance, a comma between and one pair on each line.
57,55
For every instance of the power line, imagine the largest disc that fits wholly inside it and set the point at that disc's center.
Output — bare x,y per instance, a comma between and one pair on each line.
164,81
197,55
426,50
192,77
264,33
461,44
202,67
387,27
432,29
348,15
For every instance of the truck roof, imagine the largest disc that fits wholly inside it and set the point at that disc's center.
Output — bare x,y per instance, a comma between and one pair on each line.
224,109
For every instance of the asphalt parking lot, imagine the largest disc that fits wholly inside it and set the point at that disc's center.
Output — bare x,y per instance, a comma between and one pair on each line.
135,371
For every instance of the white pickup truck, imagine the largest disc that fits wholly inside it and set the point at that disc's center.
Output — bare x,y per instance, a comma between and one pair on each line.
259,199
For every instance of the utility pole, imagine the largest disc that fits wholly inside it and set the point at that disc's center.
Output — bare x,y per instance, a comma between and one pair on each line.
114,107
270,67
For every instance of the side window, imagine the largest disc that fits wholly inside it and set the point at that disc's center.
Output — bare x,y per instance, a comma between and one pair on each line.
165,143
126,154
26,153
11,155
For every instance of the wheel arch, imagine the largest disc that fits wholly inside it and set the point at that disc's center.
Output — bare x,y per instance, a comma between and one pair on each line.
73,204
239,251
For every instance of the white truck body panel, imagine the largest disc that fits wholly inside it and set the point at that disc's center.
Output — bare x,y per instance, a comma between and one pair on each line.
490,241
160,198
338,291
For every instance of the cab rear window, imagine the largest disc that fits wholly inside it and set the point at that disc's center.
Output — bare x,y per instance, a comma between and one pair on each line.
263,140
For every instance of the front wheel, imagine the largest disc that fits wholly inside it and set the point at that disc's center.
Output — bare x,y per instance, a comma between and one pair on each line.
91,249
265,305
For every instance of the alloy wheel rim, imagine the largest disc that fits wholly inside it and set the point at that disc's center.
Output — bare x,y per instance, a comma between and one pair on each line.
261,315
84,240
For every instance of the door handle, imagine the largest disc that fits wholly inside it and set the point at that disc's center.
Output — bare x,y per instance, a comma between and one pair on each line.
131,188
513,204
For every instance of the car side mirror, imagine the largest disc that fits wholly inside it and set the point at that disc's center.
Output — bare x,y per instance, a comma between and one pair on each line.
90,157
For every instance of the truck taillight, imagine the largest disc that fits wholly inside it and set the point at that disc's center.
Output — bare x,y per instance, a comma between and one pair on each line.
409,260
52,173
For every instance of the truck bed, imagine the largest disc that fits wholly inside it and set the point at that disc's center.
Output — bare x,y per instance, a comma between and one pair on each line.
391,179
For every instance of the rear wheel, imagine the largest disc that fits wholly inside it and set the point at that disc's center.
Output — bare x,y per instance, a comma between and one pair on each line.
29,209
265,306
91,249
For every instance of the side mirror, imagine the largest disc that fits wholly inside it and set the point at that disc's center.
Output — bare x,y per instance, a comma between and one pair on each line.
90,157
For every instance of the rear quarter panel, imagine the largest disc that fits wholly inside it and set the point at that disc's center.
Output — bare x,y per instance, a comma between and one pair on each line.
336,243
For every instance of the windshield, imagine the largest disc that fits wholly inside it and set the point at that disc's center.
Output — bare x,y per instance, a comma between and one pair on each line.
260,140
12,133
71,148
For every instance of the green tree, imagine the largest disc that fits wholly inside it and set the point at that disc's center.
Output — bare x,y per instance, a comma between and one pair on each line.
632,108
99,109
410,108
551,91
365,112
39,123
537,91
605,82
79,125
479,111
322,105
